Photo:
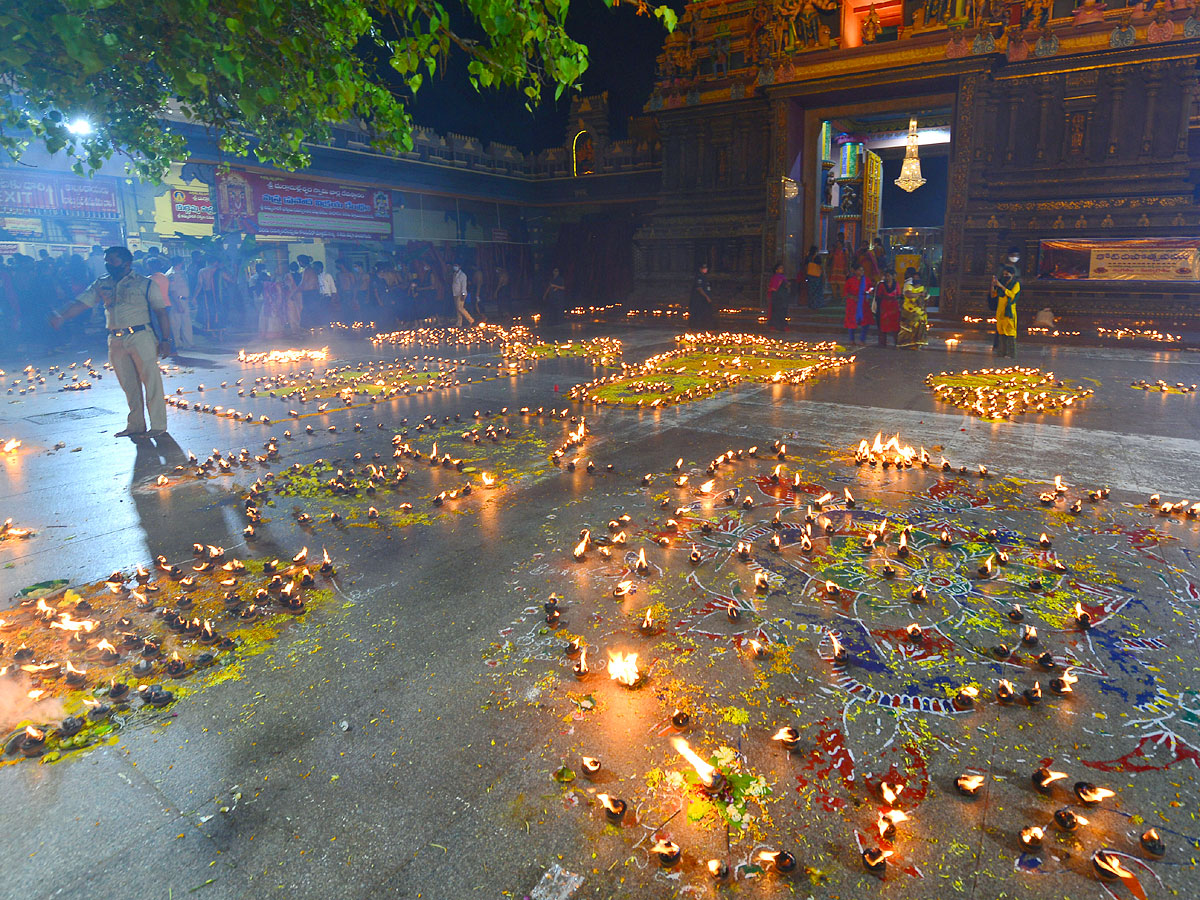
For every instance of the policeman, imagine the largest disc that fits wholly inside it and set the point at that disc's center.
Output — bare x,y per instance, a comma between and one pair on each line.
133,350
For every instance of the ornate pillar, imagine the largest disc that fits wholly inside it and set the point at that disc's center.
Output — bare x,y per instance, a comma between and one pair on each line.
1044,92
1153,86
959,182
1014,109
1187,101
1117,88
985,146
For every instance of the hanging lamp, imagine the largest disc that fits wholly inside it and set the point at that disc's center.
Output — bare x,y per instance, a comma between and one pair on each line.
910,172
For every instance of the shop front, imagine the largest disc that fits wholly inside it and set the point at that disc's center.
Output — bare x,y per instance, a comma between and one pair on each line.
59,213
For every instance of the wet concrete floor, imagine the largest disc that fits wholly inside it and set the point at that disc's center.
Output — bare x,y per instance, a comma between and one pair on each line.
402,737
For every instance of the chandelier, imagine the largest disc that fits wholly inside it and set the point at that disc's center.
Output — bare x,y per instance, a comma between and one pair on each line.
910,172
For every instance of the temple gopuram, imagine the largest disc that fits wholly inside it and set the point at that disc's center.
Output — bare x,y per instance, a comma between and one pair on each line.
1060,134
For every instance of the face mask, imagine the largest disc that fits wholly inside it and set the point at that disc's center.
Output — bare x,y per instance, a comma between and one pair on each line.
114,271
1013,259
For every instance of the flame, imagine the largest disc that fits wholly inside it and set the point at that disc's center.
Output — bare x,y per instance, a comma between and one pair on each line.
1058,484
1150,835
714,867
647,624
488,480
945,536
45,609
1092,794
36,695
707,486
1079,613
10,446
641,559
756,647
837,646
1032,834
66,623
969,692
1108,863
607,802
580,548
34,734
704,771
301,556
622,668
162,481
903,540
1067,680
1051,776
890,792
106,646
665,848
849,497
889,820
970,783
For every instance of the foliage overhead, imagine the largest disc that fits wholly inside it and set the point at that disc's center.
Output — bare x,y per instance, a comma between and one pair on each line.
265,76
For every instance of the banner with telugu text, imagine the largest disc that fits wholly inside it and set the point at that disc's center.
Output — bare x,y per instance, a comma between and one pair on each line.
302,208
1149,259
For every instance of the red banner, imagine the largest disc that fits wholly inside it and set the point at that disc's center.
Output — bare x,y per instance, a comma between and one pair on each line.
272,205
37,194
191,206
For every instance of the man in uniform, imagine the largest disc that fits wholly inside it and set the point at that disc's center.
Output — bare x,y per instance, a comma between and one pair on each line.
132,347
700,310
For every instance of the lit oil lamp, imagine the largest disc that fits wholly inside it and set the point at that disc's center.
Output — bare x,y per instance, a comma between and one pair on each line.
788,736
1033,695
875,860
965,698
1108,866
590,765
622,588
732,611
1047,661
73,676
680,718
711,780
647,625
986,570
695,556
623,669
581,667
1062,684
1043,779
902,548
1089,794
919,594
761,582
641,566
718,869
32,742
1068,820
1002,651
743,550
1004,691
888,821
832,590
780,860
668,853
614,807
1029,635
890,792
915,633
1031,837
839,652
1044,541
1153,844
945,538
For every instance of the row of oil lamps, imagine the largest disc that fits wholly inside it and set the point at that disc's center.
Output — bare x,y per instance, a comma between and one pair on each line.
1011,395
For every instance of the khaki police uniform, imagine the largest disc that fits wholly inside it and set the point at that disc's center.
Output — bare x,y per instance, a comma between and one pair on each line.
132,346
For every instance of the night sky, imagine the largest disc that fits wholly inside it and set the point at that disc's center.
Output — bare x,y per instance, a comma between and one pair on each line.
623,46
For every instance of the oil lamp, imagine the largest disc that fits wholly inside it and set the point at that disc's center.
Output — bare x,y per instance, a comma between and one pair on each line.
1043,779
902,548
780,860
832,590
73,676
1083,619
647,624
1004,690
849,498
614,807
788,736
1068,820
985,570
718,869
711,780
622,668
642,567
839,652
1029,635
1108,865
919,594
1153,844
694,557
875,860
945,537
888,821
1001,651
667,852
622,588
590,765
761,582
743,550
1044,541
680,719
1046,661
1062,684
118,691
965,698
914,632
1089,794
33,742
581,666
1031,837
1033,695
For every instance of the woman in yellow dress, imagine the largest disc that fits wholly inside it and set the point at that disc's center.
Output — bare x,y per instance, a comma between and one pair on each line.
1008,288
913,321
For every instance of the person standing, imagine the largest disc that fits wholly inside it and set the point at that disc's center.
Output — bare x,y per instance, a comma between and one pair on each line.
914,320
700,310
858,304
837,262
132,349
503,308
95,262
1007,288
777,301
813,281
347,287
310,293
458,290
179,295
327,291
887,302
